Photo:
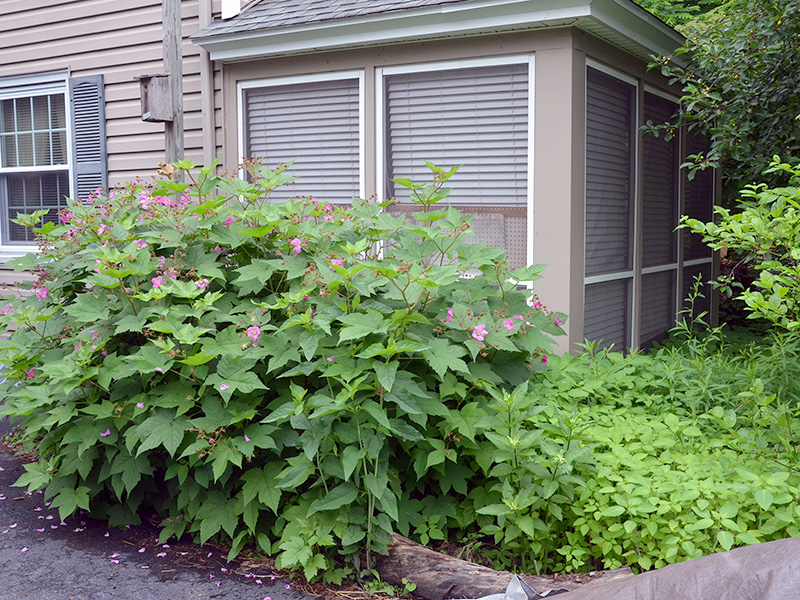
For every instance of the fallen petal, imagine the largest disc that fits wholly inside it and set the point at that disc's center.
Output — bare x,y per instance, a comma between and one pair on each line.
142,550
40,530
24,550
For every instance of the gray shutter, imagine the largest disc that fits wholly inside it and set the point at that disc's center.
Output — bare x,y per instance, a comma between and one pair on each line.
698,200
660,188
610,121
89,159
316,124
476,116
607,313
658,306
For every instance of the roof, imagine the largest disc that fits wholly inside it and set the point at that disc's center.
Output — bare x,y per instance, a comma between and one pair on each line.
271,14
269,28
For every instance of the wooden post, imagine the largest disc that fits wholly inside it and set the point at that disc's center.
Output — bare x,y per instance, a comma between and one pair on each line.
173,64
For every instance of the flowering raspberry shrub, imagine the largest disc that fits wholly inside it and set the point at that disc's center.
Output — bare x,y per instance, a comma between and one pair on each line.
300,376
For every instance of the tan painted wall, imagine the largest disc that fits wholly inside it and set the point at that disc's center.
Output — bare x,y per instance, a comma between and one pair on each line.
119,39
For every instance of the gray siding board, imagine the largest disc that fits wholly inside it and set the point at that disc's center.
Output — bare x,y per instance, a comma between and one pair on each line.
119,39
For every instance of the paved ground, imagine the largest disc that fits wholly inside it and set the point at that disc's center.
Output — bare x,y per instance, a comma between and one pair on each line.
42,558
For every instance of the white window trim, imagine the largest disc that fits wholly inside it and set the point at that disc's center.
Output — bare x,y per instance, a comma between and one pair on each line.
358,74
633,325
449,65
27,86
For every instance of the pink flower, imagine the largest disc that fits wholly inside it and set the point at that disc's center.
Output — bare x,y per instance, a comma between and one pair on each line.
544,358
201,283
141,244
41,293
253,332
331,358
157,281
538,306
224,387
31,373
449,316
106,433
140,405
337,262
520,317
509,324
558,321
296,244
479,332
228,221
65,217
6,309
102,229
210,441
94,334
246,439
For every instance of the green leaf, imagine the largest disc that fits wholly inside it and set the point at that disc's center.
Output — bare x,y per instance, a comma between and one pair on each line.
36,476
69,500
386,373
495,509
162,429
222,455
350,459
262,483
613,511
725,539
88,308
361,325
442,355
764,498
339,496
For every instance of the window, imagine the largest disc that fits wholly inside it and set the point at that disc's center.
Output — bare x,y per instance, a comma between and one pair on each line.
315,121
634,282
474,113
610,202
52,145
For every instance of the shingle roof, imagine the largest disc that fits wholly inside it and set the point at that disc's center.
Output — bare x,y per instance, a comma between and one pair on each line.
272,14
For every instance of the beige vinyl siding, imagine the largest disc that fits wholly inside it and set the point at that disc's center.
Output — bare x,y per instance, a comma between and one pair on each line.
118,39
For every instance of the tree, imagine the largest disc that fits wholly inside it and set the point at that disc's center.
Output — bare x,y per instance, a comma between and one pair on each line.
678,12
741,86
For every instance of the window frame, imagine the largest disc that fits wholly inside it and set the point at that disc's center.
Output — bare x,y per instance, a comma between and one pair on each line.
29,86
282,81
381,73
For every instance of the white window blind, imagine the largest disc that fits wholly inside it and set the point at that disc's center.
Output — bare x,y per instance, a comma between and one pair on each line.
316,124
660,187
476,117
610,149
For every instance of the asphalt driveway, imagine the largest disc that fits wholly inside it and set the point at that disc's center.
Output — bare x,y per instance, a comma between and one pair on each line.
43,558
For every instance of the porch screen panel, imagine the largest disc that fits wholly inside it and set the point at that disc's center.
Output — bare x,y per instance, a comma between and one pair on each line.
610,120
658,306
476,117
660,187
698,201
316,124
607,310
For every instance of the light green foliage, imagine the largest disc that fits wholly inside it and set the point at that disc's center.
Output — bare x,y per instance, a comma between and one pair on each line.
765,233
302,377
679,12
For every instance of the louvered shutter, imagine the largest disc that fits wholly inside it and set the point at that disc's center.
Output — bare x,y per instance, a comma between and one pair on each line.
476,117
89,168
660,188
658,306
698,201
315,124
607,313
610,120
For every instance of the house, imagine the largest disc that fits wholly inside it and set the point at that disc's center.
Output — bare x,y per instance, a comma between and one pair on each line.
541,101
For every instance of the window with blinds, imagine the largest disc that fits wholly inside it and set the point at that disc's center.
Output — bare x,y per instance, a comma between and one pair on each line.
316,124
473,116
697,204
38,168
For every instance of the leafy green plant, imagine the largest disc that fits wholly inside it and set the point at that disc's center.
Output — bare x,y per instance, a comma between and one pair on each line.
298,376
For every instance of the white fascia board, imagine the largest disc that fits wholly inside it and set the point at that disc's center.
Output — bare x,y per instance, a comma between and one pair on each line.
645,33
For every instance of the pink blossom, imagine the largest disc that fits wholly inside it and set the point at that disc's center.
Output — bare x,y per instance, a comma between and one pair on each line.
31,373
106,433
201,283
140,405
331,358
246,439
509,324
224,387
520,317
141,244
228,221
449,316
210,441
253,332
94,334
538,306
157,281
41,293
479,332
102,229
6,309
218,249
558,321
544,358
337,262
65,217
296,244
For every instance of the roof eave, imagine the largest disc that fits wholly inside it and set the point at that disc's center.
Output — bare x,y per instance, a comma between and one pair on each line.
620,22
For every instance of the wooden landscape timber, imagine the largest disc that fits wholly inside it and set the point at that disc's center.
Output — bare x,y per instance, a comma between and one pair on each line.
439,576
